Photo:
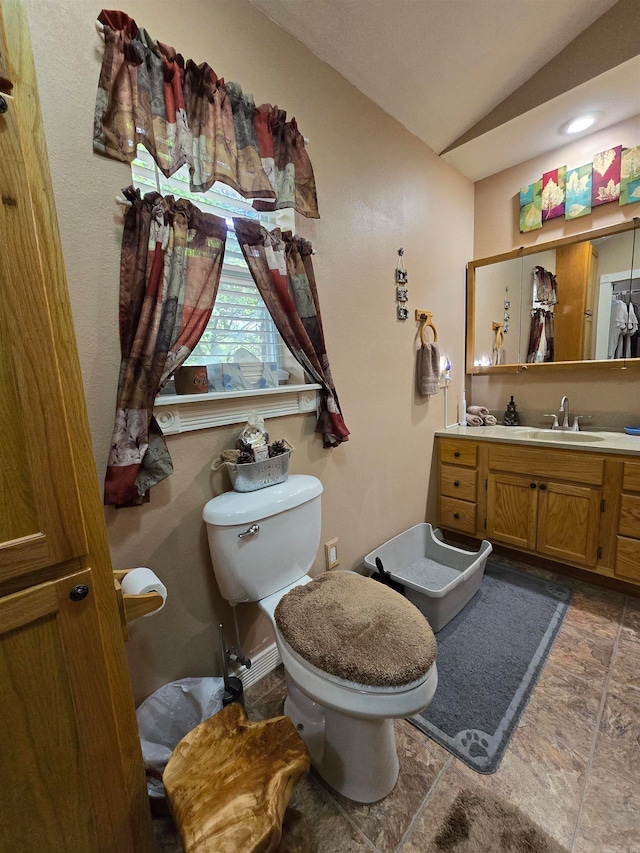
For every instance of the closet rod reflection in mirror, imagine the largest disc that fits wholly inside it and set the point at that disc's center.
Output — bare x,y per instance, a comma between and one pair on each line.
556,303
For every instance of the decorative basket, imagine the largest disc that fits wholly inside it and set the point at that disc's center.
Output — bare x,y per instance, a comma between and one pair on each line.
258,475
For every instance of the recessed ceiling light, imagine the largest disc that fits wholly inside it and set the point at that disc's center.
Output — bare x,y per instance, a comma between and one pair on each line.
580,123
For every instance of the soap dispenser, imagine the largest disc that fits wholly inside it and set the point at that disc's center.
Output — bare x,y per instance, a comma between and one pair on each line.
511,417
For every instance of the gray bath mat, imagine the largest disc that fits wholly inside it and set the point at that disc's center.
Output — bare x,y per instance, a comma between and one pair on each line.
489,659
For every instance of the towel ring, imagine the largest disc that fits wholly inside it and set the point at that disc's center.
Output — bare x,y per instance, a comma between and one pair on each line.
427,324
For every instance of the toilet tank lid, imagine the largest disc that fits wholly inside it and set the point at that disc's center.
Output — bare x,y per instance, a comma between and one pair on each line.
244,507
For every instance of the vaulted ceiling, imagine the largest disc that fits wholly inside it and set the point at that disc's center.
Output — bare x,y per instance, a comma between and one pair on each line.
485,83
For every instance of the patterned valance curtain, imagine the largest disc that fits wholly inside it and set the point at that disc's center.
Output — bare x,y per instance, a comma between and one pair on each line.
183,113
282,270
170,268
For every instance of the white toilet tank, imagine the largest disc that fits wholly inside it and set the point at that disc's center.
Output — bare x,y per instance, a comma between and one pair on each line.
251,563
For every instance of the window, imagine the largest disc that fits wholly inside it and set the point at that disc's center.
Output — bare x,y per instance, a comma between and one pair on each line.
240,330
241,336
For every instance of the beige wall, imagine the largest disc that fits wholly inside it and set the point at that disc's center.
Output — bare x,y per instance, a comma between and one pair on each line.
604,392
379,189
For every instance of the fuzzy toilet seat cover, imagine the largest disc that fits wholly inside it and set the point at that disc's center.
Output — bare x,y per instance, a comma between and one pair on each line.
358,629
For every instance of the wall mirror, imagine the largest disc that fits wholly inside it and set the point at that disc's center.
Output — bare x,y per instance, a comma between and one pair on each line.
570,301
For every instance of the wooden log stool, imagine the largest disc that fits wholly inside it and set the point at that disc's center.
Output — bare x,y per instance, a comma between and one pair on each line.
228,783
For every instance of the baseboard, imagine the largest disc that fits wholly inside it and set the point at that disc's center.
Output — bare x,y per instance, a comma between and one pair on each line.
261,664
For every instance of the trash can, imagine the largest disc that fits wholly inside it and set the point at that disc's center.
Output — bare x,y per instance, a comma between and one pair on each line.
166,716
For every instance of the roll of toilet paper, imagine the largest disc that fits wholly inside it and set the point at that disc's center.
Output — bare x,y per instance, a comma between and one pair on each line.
141,580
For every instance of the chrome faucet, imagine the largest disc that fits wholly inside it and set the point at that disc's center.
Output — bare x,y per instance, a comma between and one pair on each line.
564,410
564,407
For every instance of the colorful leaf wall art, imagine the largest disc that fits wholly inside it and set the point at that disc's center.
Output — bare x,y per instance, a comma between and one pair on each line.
614,175
578,201
553,193
605,186
531,207
630,175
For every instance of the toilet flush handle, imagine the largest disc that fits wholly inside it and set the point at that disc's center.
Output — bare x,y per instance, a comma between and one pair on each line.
250,531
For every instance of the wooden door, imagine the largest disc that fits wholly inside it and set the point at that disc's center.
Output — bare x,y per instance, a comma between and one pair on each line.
44,525
512,510
573,270
71,772
568,522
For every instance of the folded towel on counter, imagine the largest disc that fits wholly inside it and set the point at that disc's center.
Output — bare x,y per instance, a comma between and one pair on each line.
478,410
490,420
474,420
428,369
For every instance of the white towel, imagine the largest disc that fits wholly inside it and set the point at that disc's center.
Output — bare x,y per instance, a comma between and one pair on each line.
474,420
490,420
428,369
478,410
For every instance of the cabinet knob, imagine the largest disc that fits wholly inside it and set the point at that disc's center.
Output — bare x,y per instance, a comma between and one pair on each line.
4,106
456,515
456,483
456,453
532,485
543,488
78,593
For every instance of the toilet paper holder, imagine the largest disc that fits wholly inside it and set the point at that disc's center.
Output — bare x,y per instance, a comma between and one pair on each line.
133,606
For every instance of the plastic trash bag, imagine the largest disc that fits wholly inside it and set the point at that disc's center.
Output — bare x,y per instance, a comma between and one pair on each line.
170,713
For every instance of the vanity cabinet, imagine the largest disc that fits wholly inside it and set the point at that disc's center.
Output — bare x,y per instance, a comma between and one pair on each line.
551,506
627,564
571,506
458,485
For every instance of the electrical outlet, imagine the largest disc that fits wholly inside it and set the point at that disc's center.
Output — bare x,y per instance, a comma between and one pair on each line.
331,553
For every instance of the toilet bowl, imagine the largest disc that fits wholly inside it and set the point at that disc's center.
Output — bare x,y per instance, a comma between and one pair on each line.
262,545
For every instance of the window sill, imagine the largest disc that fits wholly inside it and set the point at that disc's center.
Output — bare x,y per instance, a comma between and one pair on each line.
178,413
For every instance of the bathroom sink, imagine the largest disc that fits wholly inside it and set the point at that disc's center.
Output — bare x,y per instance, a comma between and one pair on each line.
568,437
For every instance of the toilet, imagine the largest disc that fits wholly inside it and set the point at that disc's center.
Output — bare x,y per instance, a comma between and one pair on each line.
356,654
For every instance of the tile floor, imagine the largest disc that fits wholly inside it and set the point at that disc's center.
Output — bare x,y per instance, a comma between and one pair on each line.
573,764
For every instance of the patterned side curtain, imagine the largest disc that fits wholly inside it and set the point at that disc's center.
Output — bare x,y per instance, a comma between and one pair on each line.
184,113
169,274
282,270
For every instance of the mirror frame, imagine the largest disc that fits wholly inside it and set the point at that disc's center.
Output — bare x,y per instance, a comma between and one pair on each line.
490,369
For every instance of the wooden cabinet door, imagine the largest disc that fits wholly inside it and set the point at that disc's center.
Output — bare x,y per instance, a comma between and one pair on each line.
568,522
512,510
61,790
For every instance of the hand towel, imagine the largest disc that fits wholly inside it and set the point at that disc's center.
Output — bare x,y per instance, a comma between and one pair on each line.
490,420
478,410
474,420
428,369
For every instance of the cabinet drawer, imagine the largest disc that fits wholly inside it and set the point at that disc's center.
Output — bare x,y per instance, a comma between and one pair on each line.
457,482
458,452
547,464
631,477
457,515
628,559
630,516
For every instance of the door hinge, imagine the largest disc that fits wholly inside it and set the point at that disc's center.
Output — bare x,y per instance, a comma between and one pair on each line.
602,505
485,524
486,485
599,553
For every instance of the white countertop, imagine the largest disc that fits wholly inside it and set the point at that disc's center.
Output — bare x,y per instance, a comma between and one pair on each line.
592,441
